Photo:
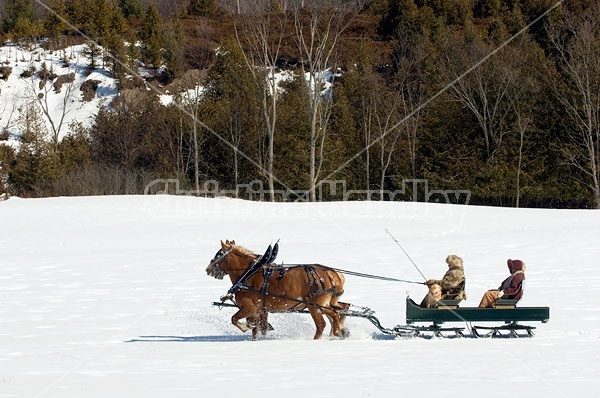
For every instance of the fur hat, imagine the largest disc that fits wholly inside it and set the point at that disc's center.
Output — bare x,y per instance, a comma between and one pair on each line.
454,261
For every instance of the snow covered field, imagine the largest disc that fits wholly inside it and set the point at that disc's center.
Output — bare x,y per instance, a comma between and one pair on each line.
107,297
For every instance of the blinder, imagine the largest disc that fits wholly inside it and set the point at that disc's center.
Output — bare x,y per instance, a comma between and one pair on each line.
216,271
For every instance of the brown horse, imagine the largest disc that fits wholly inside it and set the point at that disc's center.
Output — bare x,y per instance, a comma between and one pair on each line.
314,287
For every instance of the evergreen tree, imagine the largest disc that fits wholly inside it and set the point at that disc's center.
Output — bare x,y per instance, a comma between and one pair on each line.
131,8
103,21
152,37
486,8
36,165
114,43
174,55
293,129
18,17
401,14
231,107
54,20
201,8
7,156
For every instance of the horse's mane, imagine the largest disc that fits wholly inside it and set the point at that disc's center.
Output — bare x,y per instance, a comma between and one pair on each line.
243,251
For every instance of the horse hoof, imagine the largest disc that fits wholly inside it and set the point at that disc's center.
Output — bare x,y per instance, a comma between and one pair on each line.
345,333
244,327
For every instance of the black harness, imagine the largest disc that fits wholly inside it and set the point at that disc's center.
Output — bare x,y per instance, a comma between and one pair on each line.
315,282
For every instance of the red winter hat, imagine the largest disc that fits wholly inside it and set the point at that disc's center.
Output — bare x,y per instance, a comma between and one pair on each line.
514,265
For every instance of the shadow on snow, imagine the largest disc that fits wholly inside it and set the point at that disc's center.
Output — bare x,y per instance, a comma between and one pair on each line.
226,338
188,339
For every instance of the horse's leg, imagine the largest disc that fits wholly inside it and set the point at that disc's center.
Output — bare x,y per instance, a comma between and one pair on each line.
254,322
245,311
343,307
333,321
334,318
318,319
330,319
338,307
337,281
337,321
332,304
263,322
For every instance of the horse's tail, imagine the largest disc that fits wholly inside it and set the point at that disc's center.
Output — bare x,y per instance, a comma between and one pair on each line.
342,280
337,281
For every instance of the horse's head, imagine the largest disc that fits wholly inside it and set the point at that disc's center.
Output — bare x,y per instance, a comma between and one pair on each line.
217,268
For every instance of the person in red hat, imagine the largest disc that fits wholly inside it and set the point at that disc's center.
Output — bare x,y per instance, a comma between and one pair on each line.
510,288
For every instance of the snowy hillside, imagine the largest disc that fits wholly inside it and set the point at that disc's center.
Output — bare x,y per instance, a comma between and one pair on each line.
107,297
64,103
22,86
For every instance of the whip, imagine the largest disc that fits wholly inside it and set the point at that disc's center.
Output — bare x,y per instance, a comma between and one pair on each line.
400,246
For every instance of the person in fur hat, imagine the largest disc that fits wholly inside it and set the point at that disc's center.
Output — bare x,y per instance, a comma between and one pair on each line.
510,288
450,287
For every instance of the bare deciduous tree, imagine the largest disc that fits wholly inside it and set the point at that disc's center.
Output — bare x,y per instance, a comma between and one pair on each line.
523,99
47,85
262,34
319,24
410,82
191,97
381,112
7,113
388,131
576,40
368,107
483,91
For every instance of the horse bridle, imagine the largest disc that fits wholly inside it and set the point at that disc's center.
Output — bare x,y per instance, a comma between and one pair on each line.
219,257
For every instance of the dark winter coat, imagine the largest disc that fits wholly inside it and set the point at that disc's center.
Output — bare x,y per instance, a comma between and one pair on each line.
512,286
